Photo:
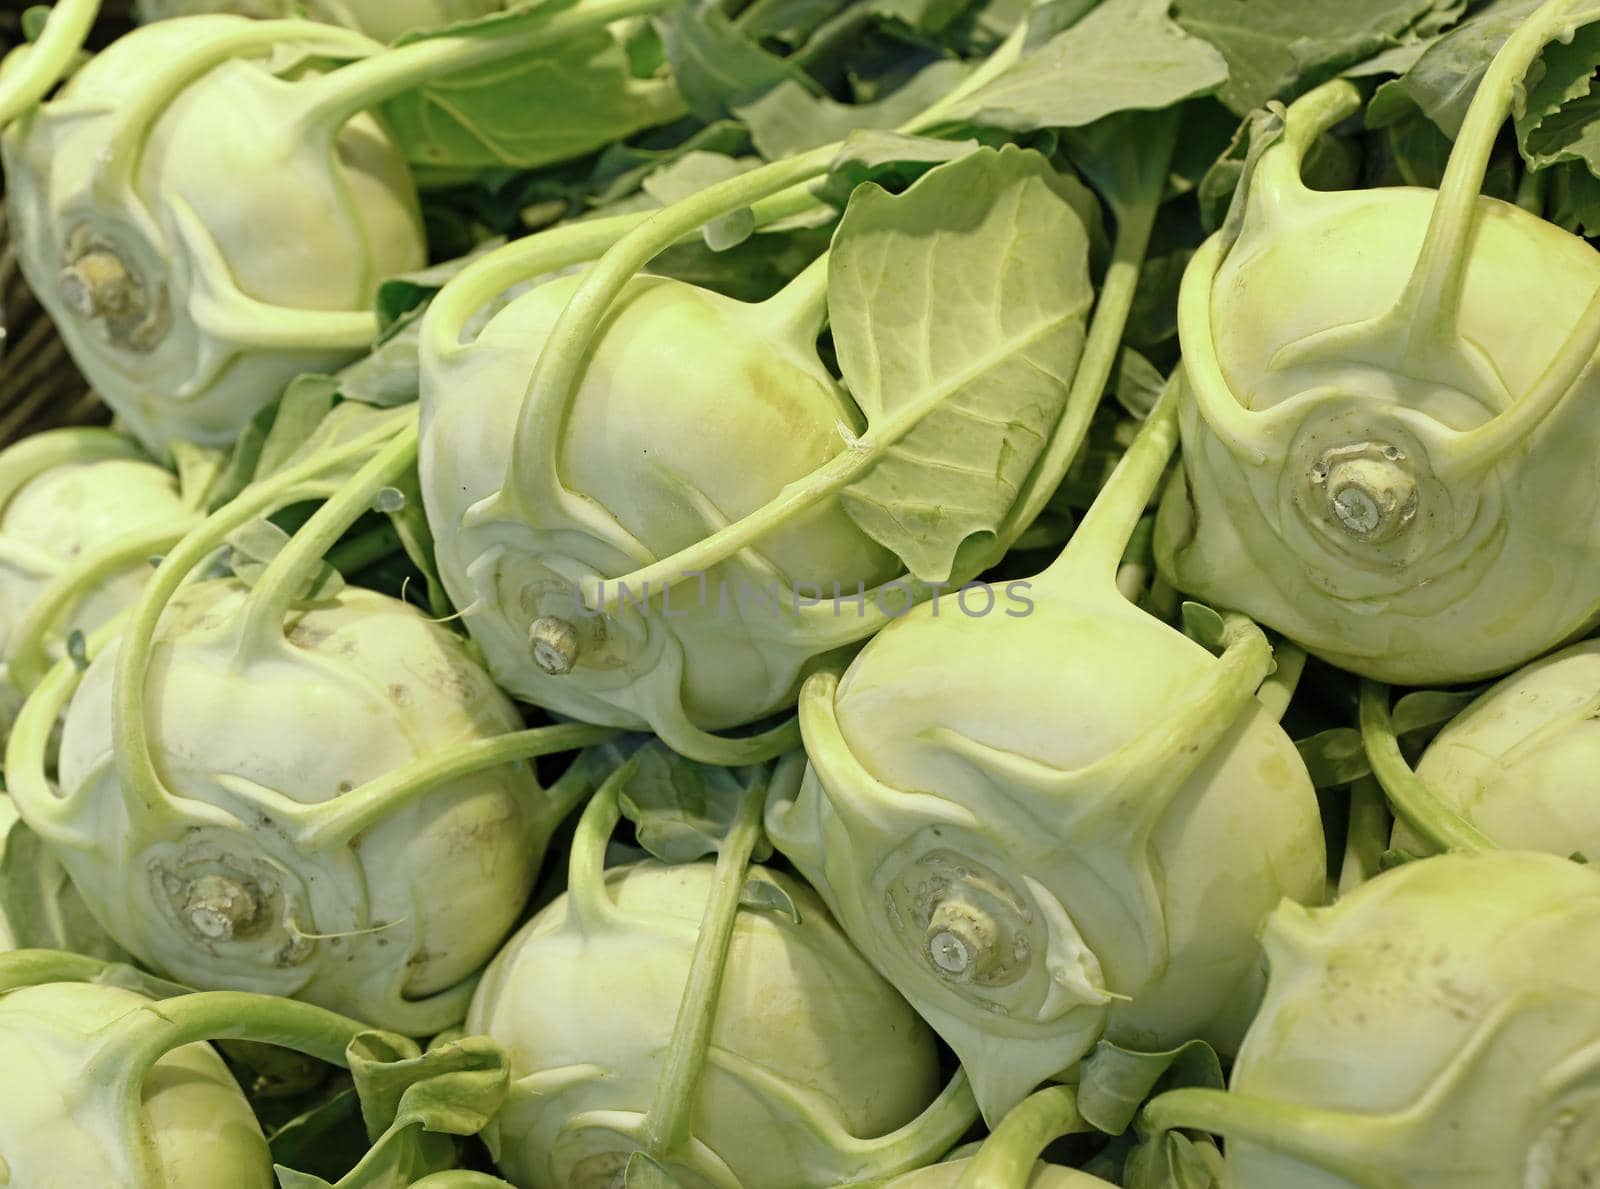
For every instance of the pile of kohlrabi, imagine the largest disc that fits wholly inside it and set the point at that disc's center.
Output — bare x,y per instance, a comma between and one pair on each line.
676,594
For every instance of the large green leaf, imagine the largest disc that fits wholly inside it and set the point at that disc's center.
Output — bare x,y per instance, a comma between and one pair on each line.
958,310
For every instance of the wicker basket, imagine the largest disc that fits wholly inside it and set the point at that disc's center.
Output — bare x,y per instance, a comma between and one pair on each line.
40,388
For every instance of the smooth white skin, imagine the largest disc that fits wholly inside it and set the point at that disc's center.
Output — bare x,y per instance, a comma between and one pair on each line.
680,384
54,1136
1459,989
1522,762
382,19
67,512
586,1017
359,688
235,202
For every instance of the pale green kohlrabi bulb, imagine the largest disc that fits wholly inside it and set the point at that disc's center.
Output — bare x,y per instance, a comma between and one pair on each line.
204,218
1435,1029
59,1123
949,1175
384,20
734,407
81,513
1060,822
293,806
708,1016
1390,417
1522,761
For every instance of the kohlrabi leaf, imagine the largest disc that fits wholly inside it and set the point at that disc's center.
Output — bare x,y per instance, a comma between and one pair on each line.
257,543
958,313
693,172
1445,76
1138,383
1271,48
540,107
873,155
39,907
414,1106
1125,55
1171,1160
1560,120
621,168
681,809
716,66
1573,198
790,119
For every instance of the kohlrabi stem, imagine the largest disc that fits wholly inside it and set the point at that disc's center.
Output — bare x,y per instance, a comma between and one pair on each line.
25,653
588,902
1432,298
796,312
917,1144
1438,825
29,76
1007,1157
669,1123
340,94
1277,691
532,479
354,554
1002,59
288,575
133,120
1135,219
1279,166
33,456
137,775
1320,1137
1366,835
1532,189
34,967
339,821
1095,548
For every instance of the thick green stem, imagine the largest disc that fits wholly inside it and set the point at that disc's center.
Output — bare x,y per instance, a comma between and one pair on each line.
1414,802
1277,691
289,574
589,904
341,820
669,1123
33,968
28,79
135,759
1366,836
371,81
1135,220
1101,537
1007,1157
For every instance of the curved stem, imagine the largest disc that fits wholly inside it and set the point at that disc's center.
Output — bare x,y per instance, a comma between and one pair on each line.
1007,1157
1440,826
1097,545
341,820
25,653
1277,691
1135,220
588,903
1432,297
1366,835
286,577
1002,59
564,353
135,760
729,751
668,1124
36,967
372,80
27,81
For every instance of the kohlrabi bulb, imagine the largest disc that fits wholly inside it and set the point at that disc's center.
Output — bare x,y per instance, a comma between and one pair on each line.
204,218
948,1175
1522,762
1390,420
692,411
60,1126
815,1068
290,845
1437,1028
384,20
1056,822
81,513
